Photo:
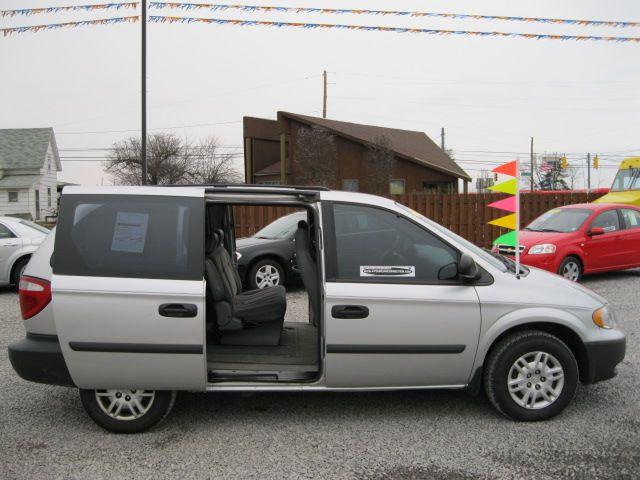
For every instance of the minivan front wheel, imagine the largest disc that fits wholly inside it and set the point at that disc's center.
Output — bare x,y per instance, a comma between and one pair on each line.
127,411
531,376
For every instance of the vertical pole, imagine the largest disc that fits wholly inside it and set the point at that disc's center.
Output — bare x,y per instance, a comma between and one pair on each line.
324,94
143,141
442,138
517,219
588,173
532,166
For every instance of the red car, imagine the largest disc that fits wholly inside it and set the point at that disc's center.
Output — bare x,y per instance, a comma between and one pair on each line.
581,239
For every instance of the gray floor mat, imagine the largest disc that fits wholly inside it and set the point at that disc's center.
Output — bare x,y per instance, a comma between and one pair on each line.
298,346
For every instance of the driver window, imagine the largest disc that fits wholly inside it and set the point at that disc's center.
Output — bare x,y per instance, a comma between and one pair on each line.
380,246
608,221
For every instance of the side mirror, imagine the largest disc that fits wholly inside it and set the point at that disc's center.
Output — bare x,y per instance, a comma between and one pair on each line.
468,268
595,231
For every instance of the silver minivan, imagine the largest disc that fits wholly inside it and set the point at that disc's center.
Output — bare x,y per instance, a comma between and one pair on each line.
135,295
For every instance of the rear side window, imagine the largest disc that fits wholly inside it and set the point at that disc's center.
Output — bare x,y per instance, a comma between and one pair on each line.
631,218
130,236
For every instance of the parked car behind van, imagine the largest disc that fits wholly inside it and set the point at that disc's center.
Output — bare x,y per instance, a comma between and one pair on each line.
19,238
136,295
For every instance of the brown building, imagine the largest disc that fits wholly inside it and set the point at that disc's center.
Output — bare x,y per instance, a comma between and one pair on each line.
419,164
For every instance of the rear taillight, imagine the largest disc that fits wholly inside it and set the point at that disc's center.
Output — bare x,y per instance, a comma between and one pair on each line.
34,294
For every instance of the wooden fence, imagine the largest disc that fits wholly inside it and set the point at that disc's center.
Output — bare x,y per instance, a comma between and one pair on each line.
467,215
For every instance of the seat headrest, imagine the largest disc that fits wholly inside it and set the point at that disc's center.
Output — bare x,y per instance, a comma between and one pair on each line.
211,243
220,234
303,224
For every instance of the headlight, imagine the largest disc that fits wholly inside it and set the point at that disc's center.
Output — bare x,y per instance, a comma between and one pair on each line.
542,248
604,317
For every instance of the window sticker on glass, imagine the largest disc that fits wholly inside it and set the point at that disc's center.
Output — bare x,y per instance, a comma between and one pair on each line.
387,271
130,232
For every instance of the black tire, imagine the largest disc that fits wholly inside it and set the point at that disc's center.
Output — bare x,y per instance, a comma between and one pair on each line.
17,270
503,356
158,410
571,261
267,262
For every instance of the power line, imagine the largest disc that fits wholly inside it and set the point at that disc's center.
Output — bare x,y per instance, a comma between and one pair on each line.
385,13
370,28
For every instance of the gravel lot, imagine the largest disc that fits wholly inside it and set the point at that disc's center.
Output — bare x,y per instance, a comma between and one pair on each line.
44,432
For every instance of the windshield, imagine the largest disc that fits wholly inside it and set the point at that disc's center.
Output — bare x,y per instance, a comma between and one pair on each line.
559,220
627,179
486,256
282,227
35,226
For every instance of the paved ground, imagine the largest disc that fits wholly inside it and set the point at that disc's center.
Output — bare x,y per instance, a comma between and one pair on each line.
44,432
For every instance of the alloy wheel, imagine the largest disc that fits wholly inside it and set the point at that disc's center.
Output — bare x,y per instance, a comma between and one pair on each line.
535,380
125,404
267,276
571,271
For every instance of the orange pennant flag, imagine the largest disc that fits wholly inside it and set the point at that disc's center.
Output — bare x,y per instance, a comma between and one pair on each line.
507,169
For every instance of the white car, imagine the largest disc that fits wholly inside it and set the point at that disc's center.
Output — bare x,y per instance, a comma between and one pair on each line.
18,240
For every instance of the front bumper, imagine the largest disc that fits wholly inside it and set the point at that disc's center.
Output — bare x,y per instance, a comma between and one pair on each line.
602,358
38,358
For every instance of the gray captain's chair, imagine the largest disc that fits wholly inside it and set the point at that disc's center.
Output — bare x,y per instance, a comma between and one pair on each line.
308,269
255,317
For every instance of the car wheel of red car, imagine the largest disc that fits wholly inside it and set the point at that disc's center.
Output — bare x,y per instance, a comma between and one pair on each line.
571,269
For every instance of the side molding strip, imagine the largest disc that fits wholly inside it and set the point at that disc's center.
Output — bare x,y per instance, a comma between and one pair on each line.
134,347
398,349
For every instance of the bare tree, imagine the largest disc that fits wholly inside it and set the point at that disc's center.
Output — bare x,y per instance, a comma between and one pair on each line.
316,158
166,161
170,161
574,176
210,165
381,162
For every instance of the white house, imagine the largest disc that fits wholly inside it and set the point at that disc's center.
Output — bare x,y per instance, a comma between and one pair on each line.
29,166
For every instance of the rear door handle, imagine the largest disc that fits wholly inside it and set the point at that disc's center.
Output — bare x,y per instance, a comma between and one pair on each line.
180,310
349,311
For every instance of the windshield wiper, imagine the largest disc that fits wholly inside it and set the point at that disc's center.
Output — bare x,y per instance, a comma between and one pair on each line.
548,230
507,262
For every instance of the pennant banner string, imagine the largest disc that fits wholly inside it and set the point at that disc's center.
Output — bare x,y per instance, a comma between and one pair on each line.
85,8
312,26
398,13
55,26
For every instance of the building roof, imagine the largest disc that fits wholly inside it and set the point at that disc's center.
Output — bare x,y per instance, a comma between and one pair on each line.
411,145
18,181
26,147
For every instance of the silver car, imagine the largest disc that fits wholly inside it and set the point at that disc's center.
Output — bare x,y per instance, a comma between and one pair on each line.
18,240
136,295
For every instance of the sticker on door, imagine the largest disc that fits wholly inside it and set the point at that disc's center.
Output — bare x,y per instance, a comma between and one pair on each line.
387,271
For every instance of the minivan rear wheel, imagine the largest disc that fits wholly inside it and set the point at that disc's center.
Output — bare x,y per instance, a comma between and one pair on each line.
531,376
127,411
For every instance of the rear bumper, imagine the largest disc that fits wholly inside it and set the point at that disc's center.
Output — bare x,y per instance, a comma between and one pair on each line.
38,358
602,358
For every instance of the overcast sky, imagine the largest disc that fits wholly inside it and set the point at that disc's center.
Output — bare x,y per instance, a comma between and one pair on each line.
490,94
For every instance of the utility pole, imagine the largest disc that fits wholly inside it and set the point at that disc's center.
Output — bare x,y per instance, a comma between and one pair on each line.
532,166
143,140
588,173
442,138
324,95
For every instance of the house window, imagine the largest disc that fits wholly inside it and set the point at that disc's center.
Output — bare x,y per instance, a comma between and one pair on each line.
396,187
49,196
437,187
350,185
13,197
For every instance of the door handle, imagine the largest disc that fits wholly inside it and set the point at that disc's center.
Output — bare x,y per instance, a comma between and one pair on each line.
180,310
349,311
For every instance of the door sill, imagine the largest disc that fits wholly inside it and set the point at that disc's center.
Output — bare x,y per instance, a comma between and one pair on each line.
260,376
